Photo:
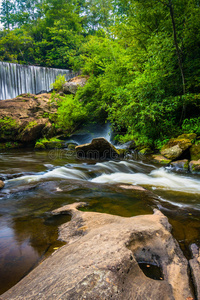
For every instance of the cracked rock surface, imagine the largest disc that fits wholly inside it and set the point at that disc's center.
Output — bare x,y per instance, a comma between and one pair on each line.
101,260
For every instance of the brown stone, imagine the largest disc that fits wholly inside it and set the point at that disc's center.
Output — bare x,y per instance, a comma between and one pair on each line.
194,166
101,261
22,118
98,149
160,159
1,184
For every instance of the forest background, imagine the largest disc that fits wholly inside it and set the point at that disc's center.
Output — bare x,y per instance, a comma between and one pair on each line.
142,58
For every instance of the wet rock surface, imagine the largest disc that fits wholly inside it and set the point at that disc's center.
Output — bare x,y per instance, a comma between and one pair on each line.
1,184
101,260
180,165
98,149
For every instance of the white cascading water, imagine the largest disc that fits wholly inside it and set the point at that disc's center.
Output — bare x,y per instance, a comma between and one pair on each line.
122,172
16,79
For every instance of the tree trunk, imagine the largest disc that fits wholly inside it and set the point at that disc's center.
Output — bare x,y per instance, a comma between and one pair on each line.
176,44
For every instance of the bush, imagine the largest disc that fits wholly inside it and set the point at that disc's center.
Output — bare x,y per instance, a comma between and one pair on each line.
58,84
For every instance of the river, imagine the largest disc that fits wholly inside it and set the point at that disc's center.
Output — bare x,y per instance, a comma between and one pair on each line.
40,181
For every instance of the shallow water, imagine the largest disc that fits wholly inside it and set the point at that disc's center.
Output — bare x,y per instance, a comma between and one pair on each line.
40,181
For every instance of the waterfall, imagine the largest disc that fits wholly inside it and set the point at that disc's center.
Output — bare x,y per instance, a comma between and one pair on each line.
16,79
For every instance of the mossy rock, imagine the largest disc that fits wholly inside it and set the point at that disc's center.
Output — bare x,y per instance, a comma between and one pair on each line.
195,152
146,150
10,145
160,159
194,166
49,144
176,147
189,136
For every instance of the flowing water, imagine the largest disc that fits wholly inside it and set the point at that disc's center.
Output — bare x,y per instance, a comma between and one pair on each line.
16,79
40,181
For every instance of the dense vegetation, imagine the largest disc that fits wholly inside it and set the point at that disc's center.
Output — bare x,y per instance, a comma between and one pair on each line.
142,57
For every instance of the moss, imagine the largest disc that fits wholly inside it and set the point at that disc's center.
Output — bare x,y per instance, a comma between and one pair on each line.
10,145
31,125
49,143
8,128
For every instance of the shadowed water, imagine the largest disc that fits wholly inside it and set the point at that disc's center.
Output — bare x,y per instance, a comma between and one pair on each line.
40,181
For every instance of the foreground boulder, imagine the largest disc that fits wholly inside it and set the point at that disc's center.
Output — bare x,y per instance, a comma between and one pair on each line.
98,149
176,147
195,268
102,261
23,118
72,85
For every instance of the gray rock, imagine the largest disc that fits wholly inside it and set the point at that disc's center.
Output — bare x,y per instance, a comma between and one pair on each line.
71,86
101,261
180,165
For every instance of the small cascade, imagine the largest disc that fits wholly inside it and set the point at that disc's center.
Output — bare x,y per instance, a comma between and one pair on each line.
16,79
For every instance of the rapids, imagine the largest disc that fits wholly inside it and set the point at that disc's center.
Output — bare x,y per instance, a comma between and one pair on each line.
38,181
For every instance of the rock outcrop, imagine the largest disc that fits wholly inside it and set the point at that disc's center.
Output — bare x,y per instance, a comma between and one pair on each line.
71,86
176,147
102,258
23,119
195,268
98,149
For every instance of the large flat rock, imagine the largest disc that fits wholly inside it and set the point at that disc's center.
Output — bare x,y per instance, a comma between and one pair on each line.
101,261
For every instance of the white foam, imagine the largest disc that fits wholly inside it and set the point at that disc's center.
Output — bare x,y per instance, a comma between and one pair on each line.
157,178
61,172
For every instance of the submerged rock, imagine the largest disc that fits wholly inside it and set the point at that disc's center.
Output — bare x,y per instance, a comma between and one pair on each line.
1,184
98,149
71,86
102,260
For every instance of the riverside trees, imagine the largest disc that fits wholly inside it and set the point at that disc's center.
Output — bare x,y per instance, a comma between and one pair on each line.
142,58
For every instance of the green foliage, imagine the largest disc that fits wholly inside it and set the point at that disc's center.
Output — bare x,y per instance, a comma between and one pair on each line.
191,125
70,114
52,143
58,84
128,48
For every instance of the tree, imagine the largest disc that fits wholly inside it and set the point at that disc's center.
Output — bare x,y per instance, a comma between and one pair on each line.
7,13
